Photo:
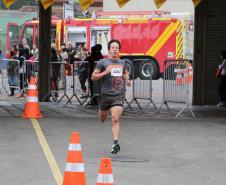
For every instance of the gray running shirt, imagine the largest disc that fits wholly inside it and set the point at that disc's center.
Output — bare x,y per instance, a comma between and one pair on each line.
113,83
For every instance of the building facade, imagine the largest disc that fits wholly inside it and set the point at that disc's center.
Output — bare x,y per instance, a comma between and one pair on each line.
178,6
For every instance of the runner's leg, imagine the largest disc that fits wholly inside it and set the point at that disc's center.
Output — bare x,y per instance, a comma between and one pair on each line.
116,113
103,115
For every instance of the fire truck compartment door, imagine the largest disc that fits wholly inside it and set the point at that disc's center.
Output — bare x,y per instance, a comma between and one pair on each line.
100,35
76,35
76,29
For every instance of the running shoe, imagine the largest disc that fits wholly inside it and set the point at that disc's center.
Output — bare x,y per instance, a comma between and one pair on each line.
115,148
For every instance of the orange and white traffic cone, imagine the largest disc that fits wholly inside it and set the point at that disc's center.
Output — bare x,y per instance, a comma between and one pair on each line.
32,107
179,79
190,76
34,80
105,175
186,77
74,173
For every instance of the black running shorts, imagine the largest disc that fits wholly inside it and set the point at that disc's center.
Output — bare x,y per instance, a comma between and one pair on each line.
108,101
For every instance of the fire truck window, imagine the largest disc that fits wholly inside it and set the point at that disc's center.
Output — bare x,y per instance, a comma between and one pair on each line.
53,35
100,36
13,33
77,38
28,33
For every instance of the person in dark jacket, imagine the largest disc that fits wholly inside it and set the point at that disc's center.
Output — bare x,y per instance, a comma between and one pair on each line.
92,59
54,71
83,73
13,71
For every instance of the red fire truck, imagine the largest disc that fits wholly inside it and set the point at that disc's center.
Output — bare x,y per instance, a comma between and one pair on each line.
28,30
146,42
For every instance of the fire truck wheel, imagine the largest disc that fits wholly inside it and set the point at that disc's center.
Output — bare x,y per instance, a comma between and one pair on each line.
146,68
130,66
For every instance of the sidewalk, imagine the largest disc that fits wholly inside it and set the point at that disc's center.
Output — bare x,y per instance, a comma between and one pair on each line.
15,108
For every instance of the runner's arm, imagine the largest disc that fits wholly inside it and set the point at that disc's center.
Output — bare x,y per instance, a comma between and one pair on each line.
97,74
126,78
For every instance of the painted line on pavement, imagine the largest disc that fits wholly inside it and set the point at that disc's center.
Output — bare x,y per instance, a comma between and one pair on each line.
49,156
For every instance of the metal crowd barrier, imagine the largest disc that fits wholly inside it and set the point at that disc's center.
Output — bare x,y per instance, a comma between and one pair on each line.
96,88
176,85
57,83
75,78
29,68
141,91
53,90
63,86
96,92
5,64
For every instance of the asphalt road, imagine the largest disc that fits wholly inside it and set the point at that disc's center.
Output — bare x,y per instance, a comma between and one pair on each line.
154,151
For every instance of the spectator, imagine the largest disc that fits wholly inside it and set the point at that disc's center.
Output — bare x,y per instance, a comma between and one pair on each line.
1,57
55,71
83,73
22,55
63,56
92,59
25,45
222,86
71,52
35,52
1,54
12,71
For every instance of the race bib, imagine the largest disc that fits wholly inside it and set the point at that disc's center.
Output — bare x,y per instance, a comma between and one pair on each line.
116,72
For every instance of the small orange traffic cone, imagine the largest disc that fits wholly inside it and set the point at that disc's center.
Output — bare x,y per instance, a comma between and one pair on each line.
186,77
32,107
190,75
179,79
34,80
74,173
105,175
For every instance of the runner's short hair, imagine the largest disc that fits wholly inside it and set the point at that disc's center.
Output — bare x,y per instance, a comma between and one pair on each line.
114,40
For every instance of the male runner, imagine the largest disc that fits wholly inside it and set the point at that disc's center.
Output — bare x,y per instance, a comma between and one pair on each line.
112,73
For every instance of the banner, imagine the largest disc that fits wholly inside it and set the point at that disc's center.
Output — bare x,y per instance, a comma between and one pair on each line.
85,4
47,3
196,2
8,3
159,3
121,3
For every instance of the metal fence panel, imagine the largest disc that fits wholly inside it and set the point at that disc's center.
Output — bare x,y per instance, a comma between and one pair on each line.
8,80
141,90
176,84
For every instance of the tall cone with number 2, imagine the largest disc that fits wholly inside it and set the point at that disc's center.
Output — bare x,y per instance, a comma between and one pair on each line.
32,107
105,175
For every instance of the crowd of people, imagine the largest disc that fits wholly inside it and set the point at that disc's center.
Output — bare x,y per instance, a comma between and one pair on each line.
80,61
18,74
64,64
